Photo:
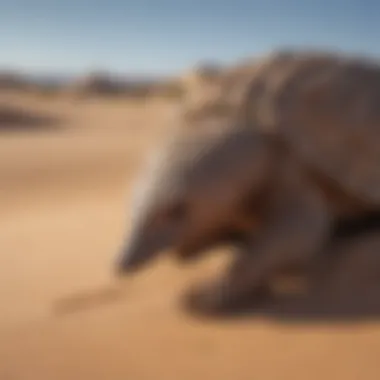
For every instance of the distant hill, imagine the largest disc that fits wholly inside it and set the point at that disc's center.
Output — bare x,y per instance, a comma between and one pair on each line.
102,83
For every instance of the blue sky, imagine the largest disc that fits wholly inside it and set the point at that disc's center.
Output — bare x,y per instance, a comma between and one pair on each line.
166,36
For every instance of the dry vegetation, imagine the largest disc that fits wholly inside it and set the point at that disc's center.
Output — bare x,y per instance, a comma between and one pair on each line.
64,200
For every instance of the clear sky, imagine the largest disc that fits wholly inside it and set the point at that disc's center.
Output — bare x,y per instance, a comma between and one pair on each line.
165,36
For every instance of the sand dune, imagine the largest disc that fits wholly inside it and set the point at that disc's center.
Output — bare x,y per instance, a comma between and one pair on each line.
63,203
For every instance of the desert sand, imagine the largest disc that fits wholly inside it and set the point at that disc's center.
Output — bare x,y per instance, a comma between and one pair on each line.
64,193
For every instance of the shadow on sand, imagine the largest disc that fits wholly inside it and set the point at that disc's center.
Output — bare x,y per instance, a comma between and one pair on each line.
308,309
16,119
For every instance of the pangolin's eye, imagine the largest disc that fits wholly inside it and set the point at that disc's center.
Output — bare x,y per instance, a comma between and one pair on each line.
177,211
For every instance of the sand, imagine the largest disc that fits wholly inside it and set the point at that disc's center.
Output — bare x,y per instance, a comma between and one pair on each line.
63,207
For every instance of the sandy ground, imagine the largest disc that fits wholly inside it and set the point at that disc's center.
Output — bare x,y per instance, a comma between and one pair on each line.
63,202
